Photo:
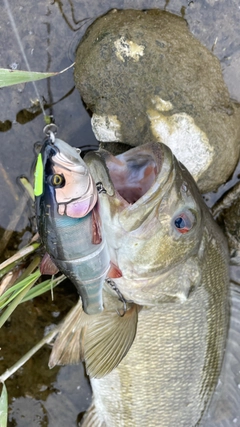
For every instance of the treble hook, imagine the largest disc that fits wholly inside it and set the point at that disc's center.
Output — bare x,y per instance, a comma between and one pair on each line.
114,287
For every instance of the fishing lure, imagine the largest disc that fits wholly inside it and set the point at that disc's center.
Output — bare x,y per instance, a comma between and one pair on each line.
68,219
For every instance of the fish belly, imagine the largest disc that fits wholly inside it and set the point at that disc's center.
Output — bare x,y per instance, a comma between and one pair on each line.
169,375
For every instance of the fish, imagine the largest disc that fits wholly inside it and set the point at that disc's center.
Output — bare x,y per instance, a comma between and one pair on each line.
156,359
173,259
68,220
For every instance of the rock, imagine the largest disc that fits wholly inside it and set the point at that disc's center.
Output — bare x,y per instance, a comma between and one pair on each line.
145,77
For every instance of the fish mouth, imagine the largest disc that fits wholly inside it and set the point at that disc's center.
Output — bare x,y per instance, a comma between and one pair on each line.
138,173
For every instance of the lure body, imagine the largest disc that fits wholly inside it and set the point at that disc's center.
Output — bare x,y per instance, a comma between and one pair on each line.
68,220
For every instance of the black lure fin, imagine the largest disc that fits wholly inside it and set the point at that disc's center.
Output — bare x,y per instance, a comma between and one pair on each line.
47,265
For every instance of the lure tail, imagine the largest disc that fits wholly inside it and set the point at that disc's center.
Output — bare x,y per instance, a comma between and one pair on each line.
91,294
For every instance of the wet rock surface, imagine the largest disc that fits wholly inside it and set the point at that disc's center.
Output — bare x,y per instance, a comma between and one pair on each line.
145,77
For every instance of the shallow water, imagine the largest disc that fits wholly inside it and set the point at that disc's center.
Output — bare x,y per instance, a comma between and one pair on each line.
50,31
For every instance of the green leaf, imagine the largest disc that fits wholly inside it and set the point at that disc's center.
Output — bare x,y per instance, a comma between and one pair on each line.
15,290
17,297
16,258
43,287
13,77
3,407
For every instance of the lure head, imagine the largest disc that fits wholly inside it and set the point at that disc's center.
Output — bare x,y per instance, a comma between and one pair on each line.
61,172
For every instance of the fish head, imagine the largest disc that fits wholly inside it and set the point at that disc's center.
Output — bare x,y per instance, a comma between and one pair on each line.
63,180
154,218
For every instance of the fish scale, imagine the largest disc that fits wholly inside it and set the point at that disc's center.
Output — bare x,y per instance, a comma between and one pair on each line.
162,381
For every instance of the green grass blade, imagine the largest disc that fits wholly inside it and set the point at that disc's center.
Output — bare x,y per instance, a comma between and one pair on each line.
13,77
3,407
15,259
18,287
17,298
43,287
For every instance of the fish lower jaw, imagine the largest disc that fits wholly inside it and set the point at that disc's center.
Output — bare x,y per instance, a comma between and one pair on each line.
153,291
148,299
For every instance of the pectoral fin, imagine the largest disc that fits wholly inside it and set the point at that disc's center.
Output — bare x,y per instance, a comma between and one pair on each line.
108,339
101,340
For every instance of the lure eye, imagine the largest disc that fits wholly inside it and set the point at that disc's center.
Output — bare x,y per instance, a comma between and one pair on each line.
57,181
184,222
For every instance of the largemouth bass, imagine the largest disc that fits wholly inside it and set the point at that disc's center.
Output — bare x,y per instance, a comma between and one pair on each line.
68,220
174,264
155,360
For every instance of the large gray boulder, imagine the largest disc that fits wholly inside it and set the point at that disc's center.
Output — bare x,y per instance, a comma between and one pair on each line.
145,77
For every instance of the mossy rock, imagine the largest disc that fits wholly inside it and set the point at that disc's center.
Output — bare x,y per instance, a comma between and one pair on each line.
145,78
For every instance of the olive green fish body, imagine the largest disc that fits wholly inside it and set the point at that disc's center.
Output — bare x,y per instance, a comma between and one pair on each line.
169,375
174,263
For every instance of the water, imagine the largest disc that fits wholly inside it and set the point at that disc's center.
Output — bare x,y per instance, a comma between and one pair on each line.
49,32
14,65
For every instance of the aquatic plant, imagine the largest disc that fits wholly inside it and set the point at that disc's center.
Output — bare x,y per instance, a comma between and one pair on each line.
21,281
10,77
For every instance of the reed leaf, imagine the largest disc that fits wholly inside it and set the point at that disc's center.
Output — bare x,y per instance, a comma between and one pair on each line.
18,287
3,407
18,295
43,287
13,77
16,258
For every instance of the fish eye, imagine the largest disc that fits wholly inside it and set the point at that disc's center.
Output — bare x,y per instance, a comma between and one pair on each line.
57,180
184,222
